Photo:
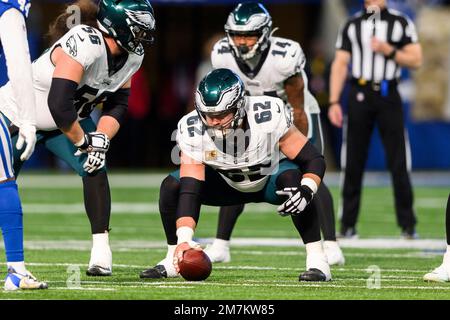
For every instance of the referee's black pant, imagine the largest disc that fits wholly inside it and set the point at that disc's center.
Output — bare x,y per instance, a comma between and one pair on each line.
366,108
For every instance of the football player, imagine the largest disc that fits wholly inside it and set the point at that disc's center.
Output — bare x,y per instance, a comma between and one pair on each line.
237,149
271,66
14,46
442,273
91,63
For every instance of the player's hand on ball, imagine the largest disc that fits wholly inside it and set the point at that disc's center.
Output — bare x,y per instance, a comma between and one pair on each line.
180,249
298,199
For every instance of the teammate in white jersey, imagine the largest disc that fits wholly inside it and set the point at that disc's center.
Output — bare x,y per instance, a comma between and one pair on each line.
237,149
90,64
14,45
271,66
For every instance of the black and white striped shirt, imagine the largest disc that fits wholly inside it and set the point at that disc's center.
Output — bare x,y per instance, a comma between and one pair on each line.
355,37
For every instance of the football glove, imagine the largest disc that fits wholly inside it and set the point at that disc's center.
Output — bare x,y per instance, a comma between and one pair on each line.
298,199
93,142
27,135
95,161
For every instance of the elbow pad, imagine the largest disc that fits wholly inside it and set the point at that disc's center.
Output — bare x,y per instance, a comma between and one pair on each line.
61,102
116,105
189,200
310,160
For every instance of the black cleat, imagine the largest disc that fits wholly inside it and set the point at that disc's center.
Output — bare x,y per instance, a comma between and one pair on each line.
98,271
312,274
156,272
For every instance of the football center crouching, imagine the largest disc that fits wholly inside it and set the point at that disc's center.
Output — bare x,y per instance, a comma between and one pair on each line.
276,165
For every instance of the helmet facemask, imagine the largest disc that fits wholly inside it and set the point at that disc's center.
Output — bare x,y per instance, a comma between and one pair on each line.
226,129
244,52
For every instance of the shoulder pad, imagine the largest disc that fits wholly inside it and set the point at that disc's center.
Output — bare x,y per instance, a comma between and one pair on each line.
190,135
220,49
269,114
84,44
289,56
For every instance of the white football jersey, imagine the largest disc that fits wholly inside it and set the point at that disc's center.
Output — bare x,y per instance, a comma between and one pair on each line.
284,59
87,46
247,164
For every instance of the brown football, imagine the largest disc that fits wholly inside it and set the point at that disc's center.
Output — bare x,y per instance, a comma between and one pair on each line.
195,266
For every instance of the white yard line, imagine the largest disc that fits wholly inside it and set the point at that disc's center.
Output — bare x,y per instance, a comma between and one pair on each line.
153,180
123,245
223,267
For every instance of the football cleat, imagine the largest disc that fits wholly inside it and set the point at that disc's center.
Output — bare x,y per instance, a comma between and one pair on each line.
216,254
348,233
409,233
440,274
164,269
15,281
334,253
100,263
98,271
313,274
314,263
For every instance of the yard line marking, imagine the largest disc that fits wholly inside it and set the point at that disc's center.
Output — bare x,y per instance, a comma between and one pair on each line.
255,268
380,243
153,180
138,208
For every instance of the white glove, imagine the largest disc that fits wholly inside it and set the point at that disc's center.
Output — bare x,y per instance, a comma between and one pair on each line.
27,135
92,142
298,199
95,161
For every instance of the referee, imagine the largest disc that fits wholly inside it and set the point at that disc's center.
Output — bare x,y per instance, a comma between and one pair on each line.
376,42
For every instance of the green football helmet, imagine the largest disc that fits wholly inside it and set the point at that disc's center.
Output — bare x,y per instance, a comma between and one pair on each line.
129,22
219,93
249,19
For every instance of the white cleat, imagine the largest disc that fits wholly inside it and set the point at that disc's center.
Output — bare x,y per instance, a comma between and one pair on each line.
216,254
100,263
334,253
440,274
16,281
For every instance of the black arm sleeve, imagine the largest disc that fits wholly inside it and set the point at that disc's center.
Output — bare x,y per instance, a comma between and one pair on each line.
60,102
310,160
116,105
189,200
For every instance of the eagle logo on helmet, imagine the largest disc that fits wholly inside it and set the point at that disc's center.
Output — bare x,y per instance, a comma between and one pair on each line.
142,18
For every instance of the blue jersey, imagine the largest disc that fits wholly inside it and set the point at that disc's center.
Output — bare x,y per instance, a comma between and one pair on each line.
24,7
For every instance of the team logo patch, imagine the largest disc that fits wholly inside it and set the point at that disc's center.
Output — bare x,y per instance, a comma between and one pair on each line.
211,155
71,44
142,18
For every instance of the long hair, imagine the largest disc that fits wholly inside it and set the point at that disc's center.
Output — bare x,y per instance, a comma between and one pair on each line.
70,18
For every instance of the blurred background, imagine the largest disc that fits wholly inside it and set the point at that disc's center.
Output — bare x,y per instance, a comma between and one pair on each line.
162,90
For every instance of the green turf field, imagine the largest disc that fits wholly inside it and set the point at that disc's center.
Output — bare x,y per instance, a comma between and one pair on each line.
58,238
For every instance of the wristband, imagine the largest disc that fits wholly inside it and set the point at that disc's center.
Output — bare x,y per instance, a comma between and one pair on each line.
333,102
184,234
310,183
